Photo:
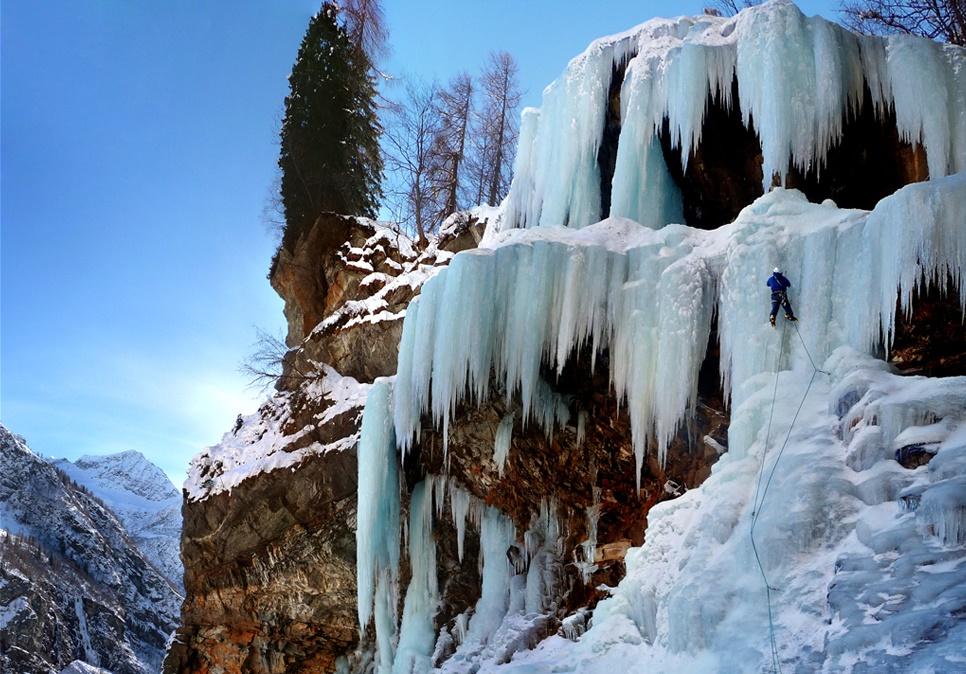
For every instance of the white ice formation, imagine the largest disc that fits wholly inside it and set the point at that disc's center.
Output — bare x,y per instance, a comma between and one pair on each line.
799,78
648,296
867,557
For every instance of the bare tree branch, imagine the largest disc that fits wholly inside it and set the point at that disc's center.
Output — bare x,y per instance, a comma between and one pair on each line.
411,128
943,20
365,24
267,364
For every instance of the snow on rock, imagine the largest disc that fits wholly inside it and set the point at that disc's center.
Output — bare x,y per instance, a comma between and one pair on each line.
81,667
142,497
798,80
12,609
267,441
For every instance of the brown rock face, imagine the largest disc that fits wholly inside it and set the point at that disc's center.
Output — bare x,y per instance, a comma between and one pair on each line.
270,575
326,267
270,561
932,340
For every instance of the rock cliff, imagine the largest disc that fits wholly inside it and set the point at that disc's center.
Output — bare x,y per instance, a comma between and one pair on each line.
269,513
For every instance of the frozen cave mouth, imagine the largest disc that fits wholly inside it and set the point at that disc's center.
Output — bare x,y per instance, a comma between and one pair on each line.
724,171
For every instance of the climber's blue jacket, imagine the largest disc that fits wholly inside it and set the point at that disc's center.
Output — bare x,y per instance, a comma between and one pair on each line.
778,283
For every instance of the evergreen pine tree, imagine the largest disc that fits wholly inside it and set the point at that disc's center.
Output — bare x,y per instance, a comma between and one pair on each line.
329,157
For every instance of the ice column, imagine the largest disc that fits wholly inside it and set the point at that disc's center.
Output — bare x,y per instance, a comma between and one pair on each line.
417,634
496,536
377,523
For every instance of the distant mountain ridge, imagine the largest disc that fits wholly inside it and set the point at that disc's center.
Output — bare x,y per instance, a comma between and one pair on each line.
144,500
74,586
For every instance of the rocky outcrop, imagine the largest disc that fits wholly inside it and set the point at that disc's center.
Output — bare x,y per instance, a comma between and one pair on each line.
328,265
269,514
270,572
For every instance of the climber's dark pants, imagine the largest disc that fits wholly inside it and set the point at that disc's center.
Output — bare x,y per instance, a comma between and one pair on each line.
780,300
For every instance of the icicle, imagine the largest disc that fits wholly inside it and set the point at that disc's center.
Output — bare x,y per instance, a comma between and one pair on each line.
496,536
798,80
377,528
463,506
385,619
501,445
589,546
417,635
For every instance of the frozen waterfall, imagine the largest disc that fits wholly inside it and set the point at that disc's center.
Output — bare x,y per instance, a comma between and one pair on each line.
799,78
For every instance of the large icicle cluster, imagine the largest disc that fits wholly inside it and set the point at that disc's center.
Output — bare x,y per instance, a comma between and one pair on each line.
799,78
649,296
512,600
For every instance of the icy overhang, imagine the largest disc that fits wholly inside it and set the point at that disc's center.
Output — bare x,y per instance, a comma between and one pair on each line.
648,297
799,81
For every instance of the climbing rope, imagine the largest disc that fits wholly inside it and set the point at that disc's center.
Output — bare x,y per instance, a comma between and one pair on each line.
756,510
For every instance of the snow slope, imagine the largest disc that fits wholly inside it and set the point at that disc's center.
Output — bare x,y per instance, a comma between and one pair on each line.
144,500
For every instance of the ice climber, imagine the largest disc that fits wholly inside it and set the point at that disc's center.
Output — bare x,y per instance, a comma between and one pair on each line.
779,284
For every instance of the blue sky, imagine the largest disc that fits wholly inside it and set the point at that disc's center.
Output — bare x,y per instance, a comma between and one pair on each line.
137,151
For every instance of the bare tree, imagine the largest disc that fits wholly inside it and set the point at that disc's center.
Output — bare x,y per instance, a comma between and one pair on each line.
455,107
496,127
729,7
267,365
411,129
475,184
936,19
365,24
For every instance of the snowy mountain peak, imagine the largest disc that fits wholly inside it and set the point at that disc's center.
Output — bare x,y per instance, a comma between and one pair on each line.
11,442
76,579
132,470
143,499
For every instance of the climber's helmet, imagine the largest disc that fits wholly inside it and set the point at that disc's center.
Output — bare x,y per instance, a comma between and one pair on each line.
776,270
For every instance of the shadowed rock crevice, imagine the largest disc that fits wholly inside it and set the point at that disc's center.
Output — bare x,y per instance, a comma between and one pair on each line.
724,170
870,162
610,136
931,340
